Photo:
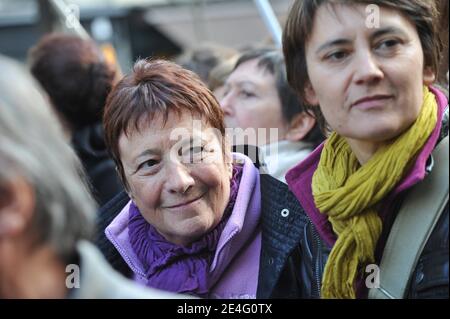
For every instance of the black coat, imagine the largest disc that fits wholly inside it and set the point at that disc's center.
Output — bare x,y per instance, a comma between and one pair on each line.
293,255
90,147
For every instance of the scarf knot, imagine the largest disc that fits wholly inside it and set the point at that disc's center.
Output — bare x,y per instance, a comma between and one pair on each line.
348,194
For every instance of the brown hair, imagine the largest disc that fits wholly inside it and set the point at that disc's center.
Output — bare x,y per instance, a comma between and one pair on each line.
156,86
74,74
422,13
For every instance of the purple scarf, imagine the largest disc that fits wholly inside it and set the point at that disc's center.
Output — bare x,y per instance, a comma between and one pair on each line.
172,267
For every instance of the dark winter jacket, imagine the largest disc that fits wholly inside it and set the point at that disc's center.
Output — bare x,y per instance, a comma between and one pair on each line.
90,147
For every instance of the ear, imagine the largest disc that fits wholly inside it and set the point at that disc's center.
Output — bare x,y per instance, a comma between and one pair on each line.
310,94
428,76
300,126
17,205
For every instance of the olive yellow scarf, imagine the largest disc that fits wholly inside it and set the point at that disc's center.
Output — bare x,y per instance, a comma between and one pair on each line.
348,193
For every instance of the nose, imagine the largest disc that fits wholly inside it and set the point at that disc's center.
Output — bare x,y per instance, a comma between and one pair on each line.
178,179
367,68
226,102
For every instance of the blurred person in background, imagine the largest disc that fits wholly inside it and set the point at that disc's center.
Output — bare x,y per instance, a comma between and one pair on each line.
46,211
204,58
257,95
77,80
219,74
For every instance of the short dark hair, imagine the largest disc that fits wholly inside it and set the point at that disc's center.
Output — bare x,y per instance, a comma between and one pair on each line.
156,87
74,75
299,24
272,60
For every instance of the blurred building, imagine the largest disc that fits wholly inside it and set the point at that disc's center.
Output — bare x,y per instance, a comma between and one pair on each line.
137,28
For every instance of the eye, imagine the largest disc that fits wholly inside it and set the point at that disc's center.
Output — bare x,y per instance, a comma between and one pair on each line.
336,56
196,149
246,93
148,164
388,44
192,149
191,153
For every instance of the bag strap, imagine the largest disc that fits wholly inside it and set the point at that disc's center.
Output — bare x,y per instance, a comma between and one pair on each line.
412,228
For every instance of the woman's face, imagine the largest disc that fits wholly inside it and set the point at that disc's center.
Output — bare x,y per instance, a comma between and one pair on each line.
367,81
177,175
251,101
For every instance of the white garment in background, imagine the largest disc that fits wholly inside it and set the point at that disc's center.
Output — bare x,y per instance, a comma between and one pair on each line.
279,157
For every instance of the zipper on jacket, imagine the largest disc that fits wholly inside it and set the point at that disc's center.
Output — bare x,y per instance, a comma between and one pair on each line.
318,259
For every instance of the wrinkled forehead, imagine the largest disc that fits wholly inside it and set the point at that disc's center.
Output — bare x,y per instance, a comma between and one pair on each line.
165,129
251,72
159,121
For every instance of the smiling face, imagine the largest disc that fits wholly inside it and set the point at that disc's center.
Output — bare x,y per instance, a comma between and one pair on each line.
367,81
180,185
251,100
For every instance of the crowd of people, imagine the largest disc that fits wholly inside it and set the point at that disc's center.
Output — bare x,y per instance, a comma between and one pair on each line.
315,171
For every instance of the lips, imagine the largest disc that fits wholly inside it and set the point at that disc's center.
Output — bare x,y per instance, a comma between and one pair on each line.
371,101
185,203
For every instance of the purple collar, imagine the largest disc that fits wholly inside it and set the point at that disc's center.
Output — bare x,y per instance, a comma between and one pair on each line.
299,178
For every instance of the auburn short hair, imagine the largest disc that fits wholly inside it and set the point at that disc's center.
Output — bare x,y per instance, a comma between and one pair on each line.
156,86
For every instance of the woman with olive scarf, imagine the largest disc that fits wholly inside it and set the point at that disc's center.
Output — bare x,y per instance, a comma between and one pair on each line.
373,88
